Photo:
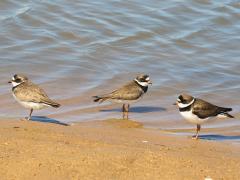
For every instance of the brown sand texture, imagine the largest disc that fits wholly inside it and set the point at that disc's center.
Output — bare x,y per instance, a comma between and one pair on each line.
109,150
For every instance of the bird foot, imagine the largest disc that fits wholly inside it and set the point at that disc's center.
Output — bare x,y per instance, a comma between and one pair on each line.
195,137
26,119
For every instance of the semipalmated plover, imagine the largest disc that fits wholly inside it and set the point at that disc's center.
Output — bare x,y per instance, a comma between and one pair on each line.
127,94
198,111
30,95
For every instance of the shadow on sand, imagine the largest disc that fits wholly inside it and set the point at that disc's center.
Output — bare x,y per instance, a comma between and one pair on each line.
47,120
215,137
137,109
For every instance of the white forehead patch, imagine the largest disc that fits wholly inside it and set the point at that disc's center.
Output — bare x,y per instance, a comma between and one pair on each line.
13,78
147,79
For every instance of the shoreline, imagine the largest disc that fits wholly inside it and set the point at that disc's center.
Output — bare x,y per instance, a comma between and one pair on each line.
109,149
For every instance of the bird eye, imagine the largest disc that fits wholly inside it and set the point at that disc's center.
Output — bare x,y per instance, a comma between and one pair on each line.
18,80
180,98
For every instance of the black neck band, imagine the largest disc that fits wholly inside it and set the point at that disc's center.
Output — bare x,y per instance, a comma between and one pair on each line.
144,88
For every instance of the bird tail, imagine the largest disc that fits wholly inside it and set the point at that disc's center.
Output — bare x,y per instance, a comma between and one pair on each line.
52,103
224,112
55,105
225,109
99,99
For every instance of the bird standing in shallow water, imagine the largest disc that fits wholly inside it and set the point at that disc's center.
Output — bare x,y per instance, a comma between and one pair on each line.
30,95
127,94
198,111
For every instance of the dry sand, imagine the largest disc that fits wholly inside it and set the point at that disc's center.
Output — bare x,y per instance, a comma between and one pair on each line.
111,149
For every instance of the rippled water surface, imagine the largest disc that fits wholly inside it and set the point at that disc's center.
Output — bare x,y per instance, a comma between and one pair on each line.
77,49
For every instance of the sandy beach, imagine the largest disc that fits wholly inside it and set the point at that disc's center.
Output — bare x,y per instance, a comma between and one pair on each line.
109,149
76,50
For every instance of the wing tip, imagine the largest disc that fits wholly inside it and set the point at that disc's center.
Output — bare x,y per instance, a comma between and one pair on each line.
99,99
56,105
229,115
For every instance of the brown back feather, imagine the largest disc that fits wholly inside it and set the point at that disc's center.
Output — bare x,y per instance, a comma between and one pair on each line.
31,92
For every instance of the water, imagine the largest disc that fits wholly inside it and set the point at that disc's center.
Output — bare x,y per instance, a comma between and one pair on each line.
77,49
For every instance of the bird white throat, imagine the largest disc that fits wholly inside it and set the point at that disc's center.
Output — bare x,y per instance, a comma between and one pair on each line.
14,84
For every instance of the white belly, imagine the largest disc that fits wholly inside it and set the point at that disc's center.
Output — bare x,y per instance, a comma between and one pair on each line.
192,118
31,105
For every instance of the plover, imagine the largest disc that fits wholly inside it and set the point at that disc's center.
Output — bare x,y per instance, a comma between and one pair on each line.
30,95
127,94
198,111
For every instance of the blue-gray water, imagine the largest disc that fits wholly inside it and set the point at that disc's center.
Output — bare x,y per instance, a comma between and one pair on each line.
77,49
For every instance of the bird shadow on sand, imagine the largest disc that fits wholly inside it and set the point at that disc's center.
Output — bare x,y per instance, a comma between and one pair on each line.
137,109
216,137
47,120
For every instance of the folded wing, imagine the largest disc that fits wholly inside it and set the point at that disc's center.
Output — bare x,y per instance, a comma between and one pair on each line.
130,91
33,93
204,109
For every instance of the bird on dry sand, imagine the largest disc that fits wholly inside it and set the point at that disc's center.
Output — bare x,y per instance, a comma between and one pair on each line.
30,95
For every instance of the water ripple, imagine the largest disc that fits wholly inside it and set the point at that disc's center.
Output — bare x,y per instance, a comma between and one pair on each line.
77,49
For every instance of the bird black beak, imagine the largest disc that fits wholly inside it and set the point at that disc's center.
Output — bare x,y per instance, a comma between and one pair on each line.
175,103
149,82
9,81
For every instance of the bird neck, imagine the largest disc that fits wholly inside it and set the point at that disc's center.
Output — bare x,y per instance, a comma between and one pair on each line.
15,85
143,87
188,107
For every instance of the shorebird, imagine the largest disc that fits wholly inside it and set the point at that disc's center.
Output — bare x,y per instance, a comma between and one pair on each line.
198,111
30,95
127,94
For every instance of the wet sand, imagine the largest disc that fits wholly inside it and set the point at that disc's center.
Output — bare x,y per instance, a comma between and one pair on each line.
109,149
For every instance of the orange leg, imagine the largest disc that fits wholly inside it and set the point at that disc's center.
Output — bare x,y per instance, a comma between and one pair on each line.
128,106
123,111
29,117
197,132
